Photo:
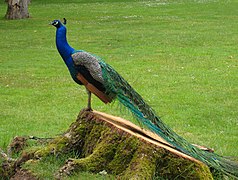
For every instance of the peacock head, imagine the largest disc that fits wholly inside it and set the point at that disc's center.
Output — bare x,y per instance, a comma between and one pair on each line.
57,23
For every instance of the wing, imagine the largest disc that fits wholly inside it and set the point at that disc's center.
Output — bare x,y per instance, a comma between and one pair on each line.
90,62
89,72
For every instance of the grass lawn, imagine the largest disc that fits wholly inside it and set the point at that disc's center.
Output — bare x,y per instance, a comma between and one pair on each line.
180,55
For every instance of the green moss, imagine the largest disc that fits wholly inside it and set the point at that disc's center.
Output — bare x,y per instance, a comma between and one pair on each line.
83,134
171,166
143,164
103,152
56,146
81,129
92,139
101,155
123,155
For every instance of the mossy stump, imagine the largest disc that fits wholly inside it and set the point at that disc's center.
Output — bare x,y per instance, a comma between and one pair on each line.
114,147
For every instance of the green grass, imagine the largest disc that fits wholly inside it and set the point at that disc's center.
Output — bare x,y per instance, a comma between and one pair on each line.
48,166
180,55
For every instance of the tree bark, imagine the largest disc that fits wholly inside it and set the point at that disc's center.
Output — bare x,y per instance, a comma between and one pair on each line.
111,145
17,9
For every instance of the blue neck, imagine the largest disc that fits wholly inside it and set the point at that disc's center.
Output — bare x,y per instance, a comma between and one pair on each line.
62,45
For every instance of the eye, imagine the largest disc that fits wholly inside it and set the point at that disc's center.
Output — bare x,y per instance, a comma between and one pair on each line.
56,22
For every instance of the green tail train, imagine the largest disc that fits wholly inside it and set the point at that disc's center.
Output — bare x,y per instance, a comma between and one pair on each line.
118,87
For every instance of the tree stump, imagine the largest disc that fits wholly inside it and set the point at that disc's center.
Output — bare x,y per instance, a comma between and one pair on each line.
17,9
102,143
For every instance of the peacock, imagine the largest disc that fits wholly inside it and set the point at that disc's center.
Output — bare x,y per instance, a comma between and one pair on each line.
108,85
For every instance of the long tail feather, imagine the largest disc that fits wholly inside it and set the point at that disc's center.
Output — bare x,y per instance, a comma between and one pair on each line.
120,88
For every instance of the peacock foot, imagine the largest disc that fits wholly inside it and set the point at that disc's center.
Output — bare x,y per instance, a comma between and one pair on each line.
89,109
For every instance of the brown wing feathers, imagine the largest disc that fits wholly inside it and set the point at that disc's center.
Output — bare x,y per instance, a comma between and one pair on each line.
93,89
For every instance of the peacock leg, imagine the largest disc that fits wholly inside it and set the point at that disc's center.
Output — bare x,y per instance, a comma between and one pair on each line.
89,108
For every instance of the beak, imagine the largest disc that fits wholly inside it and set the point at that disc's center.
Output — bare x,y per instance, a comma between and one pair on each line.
51,23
